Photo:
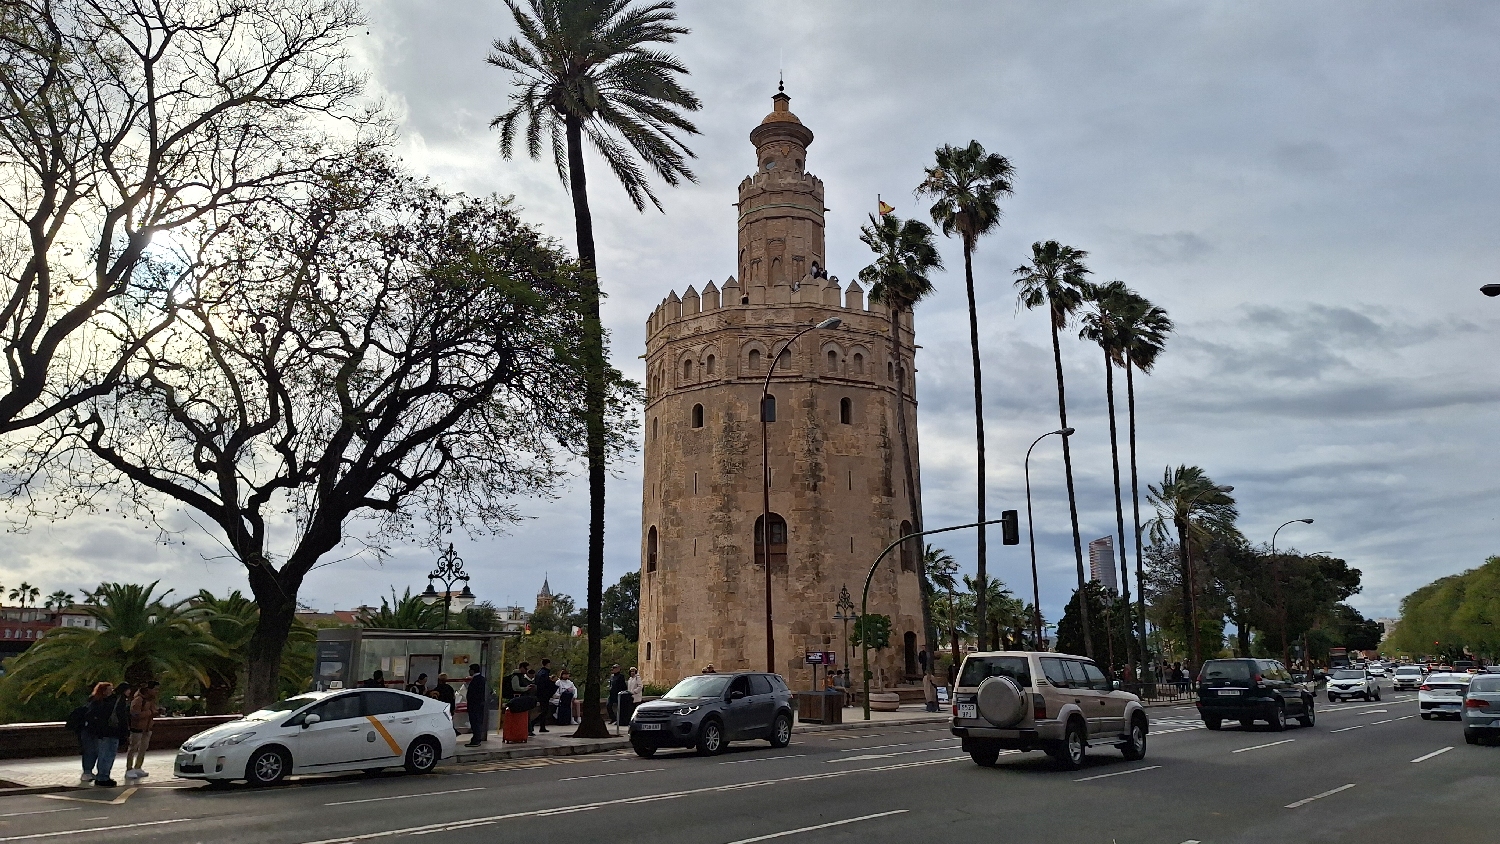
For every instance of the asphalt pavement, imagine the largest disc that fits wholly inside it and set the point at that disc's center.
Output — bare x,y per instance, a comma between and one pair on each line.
1366,773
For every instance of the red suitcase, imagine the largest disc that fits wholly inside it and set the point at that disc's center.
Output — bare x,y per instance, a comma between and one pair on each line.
514,726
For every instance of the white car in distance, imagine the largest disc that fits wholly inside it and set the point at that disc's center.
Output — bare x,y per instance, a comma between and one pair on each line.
1442,695
1406,677
1376,669
320,732
1352,682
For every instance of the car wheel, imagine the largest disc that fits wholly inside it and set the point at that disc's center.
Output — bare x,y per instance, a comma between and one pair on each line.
422,756
1309,715
1278,719
710,738
1134,747
781,731
1074,746
985,757
645,751
1247,723
267,767
1426,717
1213,723
1470,737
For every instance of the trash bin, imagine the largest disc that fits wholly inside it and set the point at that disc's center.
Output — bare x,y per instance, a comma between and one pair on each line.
825,707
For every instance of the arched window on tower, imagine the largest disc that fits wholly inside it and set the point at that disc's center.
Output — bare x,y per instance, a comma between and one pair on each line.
908,558
687,370
708,365
651,549
859,364
754,360
784,359
846,411
833,361
890,371
768,409
697,416
778,543
655,428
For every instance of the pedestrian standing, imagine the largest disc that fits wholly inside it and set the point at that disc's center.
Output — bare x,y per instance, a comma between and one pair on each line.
546,687
88,747
419,686
444,693
616,687
563,697
478,698
143,711
929,692
633,689
109,726
376,681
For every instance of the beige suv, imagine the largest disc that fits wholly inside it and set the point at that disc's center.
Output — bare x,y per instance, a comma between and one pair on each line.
1023,700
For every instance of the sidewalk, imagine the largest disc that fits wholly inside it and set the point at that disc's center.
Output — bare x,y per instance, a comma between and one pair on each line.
55,773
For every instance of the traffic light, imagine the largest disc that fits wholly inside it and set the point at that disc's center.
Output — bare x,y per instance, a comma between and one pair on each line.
1010,527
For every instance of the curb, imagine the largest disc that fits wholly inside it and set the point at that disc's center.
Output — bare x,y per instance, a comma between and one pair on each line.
579,749
35,789
868,725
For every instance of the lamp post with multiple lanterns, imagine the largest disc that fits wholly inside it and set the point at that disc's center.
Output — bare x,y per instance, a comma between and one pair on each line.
450,571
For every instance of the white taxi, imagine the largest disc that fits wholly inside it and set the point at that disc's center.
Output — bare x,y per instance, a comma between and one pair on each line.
319,732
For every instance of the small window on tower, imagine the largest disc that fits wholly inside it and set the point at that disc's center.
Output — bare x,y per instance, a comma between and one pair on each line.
784,359
859,364
768,409
833,361
846,411
890,371
708,365
687,370
651,549
697,416
754,360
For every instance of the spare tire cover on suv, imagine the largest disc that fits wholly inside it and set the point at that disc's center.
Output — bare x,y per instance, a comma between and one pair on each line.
1000,701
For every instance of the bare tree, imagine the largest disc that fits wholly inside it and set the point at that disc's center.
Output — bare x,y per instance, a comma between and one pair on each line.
383,361
123,121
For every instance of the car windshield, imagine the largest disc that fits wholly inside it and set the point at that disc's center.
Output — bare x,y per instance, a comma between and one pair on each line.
704,685
1227,669
279,707
1485,684
978,668
1348,675
1408,671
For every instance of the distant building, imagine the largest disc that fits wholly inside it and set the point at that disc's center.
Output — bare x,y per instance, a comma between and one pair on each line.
1102,563
1387,627
544,597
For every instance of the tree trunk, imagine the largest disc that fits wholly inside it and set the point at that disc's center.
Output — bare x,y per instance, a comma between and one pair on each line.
953,627
277,601
1062,416
924,588
1242,629
592,724
981,566
1189,618
1114,457
1135,500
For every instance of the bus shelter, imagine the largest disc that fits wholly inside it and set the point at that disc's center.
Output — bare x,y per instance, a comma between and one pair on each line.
349,656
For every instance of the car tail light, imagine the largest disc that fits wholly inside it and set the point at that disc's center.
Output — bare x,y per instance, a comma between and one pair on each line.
955,710
1038,707
1476,703
1424,687
1256,679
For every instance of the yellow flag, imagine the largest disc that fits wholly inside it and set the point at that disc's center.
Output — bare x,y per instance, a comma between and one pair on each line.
885,208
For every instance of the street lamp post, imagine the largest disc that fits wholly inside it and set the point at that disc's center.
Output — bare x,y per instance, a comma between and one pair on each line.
864,602
844,611
1036,596
765,500
1280,602
450,570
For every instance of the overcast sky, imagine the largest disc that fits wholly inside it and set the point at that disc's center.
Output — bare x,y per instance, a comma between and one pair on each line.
1311,190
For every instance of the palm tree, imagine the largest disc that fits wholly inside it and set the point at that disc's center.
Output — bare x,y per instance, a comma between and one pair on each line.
59,600
408,612
1198,510
966,184
1141,329
942,571
231,622
139,637
25,594
591,70
904,256
1056,278
1099,326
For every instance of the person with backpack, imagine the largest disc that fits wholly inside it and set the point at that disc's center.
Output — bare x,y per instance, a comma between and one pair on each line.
108,725
143,711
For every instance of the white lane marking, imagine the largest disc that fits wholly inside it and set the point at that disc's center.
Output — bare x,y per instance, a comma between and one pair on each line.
1192,841
36,835
1119,773
764,759
873,747
865,756
40,812
120,798
856,738
1432,754
819,826
449,826
615,774
1176,730
1347,729
1259,746
403,796
1327,793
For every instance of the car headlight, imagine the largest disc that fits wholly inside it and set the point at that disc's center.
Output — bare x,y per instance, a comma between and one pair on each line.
232,740
687,710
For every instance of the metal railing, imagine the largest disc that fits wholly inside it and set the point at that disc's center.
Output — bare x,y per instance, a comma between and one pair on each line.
1164,691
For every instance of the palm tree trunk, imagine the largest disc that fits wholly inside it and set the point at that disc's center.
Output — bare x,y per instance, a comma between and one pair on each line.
1135,499
1189,617
953,625
1114,457
592,724
1062,416
924,588
980,569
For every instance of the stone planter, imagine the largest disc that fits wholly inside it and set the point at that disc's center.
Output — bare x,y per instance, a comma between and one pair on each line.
885,701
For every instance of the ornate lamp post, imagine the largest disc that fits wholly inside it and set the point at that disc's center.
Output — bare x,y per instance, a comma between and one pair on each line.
767,414
450,571
844,611
1036,595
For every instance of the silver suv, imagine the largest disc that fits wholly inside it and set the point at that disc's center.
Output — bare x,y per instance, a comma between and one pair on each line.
1024,700
708,711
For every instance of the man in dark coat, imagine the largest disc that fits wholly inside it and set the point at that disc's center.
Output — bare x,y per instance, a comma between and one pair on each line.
545,688
444,692
616,688
478,697
108,723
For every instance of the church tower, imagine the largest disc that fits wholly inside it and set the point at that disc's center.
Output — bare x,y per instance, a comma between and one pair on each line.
837,492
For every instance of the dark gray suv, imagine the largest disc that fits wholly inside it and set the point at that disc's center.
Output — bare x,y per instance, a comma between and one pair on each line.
709,711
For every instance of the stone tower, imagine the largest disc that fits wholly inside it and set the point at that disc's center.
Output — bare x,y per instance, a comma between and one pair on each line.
837,493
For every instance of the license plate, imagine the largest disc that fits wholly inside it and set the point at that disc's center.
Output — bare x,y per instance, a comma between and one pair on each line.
968,710
1229,691
648,726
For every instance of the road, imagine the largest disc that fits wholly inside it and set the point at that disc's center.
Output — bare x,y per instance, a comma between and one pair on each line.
1366,773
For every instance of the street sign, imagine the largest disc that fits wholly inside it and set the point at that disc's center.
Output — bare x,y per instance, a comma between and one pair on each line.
820,658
